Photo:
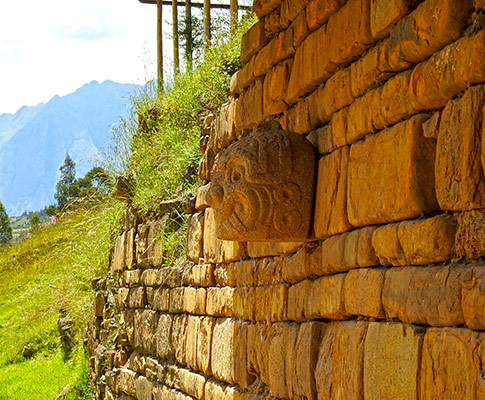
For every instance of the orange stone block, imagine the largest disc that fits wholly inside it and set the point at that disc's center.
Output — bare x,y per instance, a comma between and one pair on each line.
249,109
275,87
391,175
318,12
363,291
460,180
384,14
392,361
331,195
473,299
433,25
290,9
325,298
253,40
264,7
470,237
452,365
428,296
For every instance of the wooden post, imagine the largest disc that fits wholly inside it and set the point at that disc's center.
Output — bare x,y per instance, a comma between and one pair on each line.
234,17
188,34
207,24
176,60
159,44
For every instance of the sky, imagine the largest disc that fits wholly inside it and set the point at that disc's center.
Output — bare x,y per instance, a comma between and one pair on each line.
50,47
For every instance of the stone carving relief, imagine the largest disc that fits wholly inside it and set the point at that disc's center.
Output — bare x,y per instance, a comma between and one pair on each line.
262,188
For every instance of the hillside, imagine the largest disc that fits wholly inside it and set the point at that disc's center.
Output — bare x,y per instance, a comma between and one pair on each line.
48,271
34,141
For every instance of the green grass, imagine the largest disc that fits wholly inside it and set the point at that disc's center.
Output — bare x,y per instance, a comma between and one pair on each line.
51,269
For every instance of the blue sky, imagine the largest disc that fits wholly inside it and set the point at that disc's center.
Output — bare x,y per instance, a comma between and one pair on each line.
50,47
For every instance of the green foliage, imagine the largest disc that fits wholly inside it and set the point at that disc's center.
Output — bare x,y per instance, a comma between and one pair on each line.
34,222
159,145
65,190
50,268
5,228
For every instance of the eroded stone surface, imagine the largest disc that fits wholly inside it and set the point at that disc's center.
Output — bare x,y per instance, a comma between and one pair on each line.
262,188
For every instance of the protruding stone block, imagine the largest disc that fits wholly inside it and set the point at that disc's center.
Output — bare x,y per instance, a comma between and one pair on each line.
427,296
460,180
263,187
363,292
452,365
253,40
222,353
331,197
391,175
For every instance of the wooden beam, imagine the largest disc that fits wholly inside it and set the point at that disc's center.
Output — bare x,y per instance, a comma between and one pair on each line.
196,5
234,16
176,59
188,35
159,44
207,24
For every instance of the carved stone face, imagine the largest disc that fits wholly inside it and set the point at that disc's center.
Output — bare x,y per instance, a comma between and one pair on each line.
262,188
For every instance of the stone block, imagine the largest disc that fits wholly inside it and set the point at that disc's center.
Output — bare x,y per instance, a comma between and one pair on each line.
146,323
176,304
318,12
219,302
141,244
290,9
267,249
325,298
452,364
397,166
272,23
201,199
394,102
307,347
298,29
391,361
431,126
427,296
453,69
161,299
349,31
417,242
363,291
126,381
216,250
185,381
331,194
324,139
263,7
222,354
385,14
193,328
144,388
361,118
298,117
249,109
204,344
294,268
282,341
262,189
473,299
201,275
242,377
371,68
311,66
195,300
273,270
195,235
340,367
253,40
433,25
178,335
137,298
275,86
119,254
460,180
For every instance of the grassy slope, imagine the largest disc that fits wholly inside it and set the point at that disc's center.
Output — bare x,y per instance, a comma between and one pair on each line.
50,269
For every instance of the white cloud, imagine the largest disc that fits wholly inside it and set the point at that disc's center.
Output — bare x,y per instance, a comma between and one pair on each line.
55,46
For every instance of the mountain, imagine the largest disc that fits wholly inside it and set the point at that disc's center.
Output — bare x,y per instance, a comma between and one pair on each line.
34,141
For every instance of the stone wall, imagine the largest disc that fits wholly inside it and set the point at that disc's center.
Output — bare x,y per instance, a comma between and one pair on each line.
385,297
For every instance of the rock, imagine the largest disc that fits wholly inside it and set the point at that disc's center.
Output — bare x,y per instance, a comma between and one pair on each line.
263,187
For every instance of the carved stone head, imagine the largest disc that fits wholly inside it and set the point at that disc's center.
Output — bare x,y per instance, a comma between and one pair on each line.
262,188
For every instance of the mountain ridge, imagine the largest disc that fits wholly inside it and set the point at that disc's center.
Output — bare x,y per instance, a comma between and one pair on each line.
34,141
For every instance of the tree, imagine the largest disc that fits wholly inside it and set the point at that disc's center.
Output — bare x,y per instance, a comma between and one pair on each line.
65,190
34,222
5,228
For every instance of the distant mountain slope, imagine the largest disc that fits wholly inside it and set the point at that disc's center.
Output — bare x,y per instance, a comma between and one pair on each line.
34,141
